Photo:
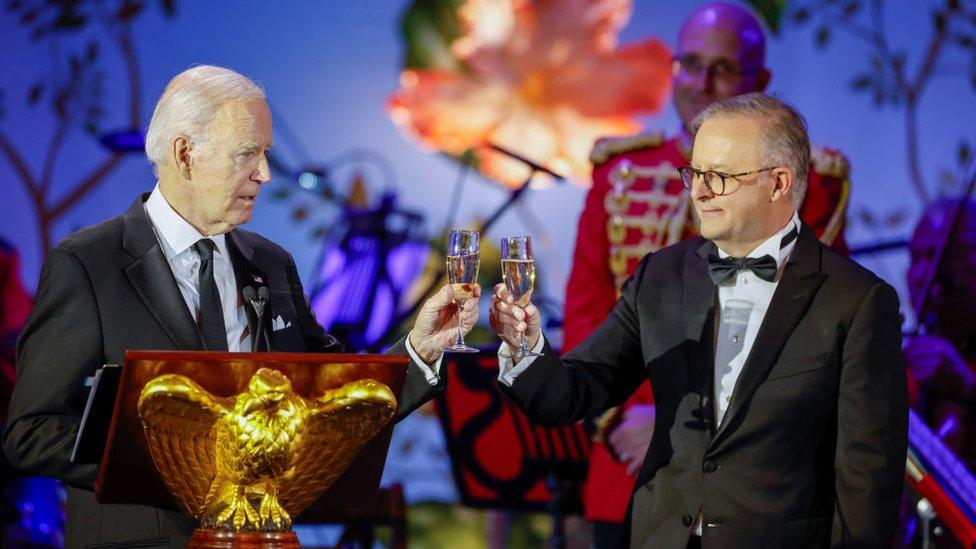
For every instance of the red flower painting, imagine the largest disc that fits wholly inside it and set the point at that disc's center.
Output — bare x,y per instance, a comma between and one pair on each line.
541,78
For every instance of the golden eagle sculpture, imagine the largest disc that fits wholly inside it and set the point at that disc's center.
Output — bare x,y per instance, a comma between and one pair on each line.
251,462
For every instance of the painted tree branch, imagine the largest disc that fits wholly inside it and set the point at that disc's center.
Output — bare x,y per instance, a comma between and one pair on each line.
50,158
84,187
132,71
20,166
912,95
908,88
39,189
95,177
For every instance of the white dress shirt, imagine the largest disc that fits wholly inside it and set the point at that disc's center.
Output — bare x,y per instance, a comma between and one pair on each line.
431,371
176,239
743,301
507,369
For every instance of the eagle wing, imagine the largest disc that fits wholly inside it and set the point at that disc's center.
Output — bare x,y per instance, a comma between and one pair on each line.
337,426
178,417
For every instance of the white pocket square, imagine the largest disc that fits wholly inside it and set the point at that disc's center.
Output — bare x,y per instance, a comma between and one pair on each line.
278,323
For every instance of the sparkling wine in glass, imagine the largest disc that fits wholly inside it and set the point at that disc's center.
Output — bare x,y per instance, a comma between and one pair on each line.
463,260
518,272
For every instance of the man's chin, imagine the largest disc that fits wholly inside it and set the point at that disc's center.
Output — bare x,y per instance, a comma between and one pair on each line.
241,219
231,224
708,230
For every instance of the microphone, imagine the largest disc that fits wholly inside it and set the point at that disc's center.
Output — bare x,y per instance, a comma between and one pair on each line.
258,300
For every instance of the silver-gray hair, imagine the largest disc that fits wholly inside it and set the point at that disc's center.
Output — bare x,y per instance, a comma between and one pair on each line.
190,102
784,134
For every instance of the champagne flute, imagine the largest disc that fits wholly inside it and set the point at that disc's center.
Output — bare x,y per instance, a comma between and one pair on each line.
463,260
518,272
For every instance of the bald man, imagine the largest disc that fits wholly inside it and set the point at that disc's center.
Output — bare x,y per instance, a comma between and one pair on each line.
721,54
638,205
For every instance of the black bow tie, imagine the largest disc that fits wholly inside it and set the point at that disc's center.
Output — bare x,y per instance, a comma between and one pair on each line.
724,268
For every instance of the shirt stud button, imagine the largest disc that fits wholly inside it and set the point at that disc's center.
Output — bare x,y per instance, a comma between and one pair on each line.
735,339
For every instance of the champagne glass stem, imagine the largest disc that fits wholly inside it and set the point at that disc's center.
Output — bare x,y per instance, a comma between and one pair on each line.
459,342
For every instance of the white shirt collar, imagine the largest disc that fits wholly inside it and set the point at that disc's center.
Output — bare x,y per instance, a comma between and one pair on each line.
771,245
175,234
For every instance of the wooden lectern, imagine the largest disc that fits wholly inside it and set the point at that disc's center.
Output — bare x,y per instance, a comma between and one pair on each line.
126,473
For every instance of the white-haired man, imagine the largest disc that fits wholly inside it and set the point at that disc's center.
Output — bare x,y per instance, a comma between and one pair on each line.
775,361
168,274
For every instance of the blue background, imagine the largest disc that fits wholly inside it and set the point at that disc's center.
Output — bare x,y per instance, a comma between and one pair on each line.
328,66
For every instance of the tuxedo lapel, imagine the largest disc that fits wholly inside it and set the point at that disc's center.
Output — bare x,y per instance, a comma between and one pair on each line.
698,313
698,293
247,273
153,280
800,281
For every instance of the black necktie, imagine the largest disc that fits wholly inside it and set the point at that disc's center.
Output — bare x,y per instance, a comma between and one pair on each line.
724,268
211,317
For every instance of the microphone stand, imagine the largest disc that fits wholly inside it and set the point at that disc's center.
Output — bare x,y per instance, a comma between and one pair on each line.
513,197
257,303
517,192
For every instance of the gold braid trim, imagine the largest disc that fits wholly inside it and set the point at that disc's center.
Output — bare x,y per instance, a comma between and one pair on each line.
840,213
833,164
607,147
605,424
829,163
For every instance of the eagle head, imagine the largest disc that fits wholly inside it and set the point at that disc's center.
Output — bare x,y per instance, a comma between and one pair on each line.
266,389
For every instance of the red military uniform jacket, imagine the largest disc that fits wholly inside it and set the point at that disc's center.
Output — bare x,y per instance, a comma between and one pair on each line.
638,205
15,305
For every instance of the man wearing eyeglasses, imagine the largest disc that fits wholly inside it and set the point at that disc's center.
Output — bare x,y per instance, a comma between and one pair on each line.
637,205
776,364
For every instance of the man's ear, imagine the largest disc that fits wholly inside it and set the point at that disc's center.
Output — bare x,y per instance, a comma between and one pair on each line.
782,183
181,156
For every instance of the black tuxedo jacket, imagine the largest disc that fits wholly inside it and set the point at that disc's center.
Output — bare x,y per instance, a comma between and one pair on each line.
811,452
108,289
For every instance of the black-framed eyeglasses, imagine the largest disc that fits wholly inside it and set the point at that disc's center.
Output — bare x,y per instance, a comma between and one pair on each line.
724,69
716,182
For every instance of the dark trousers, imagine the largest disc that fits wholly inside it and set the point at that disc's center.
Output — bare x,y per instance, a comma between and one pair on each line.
609,535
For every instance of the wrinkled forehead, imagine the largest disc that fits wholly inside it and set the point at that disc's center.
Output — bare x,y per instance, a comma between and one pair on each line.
728,141
240,123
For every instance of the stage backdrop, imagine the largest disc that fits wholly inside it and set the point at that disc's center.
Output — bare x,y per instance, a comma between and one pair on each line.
329,67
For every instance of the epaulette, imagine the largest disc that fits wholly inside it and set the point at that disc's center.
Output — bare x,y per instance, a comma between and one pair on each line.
829,162
607,147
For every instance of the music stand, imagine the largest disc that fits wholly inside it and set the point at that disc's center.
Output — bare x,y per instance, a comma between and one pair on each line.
499,458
